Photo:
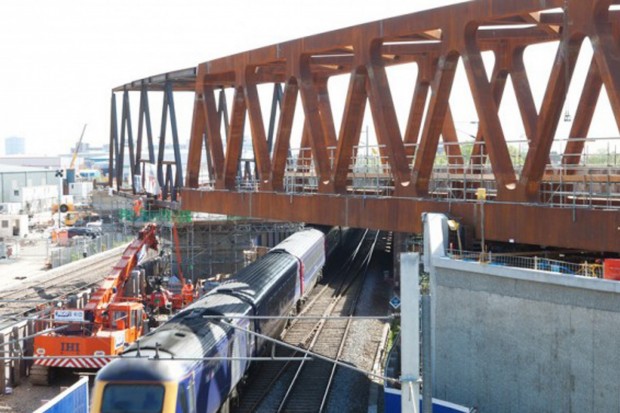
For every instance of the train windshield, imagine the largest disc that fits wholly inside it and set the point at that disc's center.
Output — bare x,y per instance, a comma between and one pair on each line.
132,398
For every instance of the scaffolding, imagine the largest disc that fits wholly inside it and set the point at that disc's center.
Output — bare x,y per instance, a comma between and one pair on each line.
209,247
209,244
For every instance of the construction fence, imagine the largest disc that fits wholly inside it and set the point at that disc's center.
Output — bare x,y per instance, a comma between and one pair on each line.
85,247
586,269
159,215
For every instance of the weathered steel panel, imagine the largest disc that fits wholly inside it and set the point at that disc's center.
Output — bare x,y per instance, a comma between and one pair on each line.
527,203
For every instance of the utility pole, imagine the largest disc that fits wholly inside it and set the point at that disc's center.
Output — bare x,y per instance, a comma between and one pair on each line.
59,175
410,332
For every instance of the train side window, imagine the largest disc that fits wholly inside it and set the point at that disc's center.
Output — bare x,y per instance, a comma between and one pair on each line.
119,319
192,394
136,319
182,405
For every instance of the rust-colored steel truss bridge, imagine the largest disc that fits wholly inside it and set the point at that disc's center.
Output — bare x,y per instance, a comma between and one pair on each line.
548,189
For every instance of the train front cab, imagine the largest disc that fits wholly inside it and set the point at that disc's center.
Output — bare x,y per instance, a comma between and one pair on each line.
164,397
209,392
144,386
167,386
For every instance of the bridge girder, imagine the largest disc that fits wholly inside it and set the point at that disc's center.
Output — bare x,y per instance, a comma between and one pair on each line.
435,40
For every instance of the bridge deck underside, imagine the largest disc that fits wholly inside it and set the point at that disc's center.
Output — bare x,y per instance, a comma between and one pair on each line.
529,224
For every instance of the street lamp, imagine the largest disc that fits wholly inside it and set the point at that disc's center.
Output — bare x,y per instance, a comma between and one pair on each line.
481,196
455,226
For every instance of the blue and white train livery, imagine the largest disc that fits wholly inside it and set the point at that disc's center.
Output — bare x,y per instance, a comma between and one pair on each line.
166,370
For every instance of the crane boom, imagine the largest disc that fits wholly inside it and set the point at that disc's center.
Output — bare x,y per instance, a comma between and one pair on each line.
77,148
110,319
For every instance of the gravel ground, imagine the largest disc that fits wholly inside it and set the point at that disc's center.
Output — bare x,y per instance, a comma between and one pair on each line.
27,398
351,389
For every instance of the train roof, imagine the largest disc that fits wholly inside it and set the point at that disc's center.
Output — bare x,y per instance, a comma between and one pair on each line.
261,275
142,369
215,303
300,242
188,333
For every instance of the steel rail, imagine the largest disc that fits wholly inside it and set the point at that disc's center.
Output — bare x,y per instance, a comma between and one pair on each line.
348,326
53,288
316,333
274,373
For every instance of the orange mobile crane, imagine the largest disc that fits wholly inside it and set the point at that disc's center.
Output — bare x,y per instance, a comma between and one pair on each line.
164,298
86,338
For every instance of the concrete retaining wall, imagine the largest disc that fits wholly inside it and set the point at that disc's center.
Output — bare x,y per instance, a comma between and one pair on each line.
511,340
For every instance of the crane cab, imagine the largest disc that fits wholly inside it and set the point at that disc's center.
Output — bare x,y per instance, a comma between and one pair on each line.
126,316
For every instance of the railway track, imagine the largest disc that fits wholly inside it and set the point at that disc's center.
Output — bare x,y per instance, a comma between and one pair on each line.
303,386
57,284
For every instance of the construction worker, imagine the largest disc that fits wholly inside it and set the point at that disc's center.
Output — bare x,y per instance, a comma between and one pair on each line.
160,299
137,207
188,293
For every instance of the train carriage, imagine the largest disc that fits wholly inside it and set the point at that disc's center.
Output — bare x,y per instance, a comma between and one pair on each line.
308,246
171,370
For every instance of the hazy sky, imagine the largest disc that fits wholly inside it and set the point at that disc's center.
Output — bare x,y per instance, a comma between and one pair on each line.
61,58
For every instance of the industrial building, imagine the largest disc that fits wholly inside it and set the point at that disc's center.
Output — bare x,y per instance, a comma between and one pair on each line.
34,189
48,162
13,226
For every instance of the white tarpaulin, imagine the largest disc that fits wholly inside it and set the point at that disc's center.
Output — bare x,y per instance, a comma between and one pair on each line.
151,185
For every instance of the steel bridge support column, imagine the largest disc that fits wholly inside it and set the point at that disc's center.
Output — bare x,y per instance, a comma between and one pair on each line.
113,150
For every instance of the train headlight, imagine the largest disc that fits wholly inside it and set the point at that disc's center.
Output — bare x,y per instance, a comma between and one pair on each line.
99,353
41,351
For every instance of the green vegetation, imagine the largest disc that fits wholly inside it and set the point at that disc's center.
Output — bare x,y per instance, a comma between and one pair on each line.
394,332
424,282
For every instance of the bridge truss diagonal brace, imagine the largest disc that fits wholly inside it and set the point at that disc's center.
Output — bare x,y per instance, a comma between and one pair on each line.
213,135
605,40
549,117
606,52
488,114
426,69
386,123
583,118
113,151
351,126
198,138
314,124
126,130
257,126
144,122
433,123
170,181
282,144
234,143
498,85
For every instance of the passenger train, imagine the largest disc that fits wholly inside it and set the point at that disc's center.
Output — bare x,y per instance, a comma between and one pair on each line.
172,368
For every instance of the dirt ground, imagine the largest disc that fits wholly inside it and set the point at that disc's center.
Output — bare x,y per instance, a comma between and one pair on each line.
26,398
